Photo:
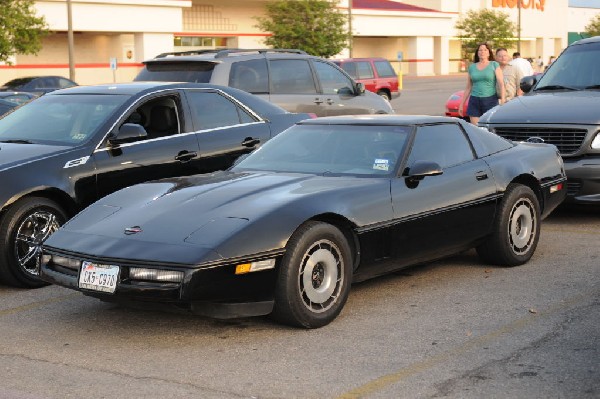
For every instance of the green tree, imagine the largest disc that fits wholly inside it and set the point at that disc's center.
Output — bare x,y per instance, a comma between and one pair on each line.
494,27
593,28
315,26
21,32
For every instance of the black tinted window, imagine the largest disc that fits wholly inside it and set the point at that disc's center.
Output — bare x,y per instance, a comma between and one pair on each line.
384,69
333,81
251,76
445,144
211,110
196,72
291,77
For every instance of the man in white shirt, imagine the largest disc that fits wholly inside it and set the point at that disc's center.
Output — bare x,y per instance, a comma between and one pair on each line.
522,64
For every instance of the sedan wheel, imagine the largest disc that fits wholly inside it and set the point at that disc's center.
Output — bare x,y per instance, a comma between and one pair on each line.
24,228
314,277
516,228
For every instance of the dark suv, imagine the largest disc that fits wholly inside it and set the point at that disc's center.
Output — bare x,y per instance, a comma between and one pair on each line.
292,79
561,107
377,74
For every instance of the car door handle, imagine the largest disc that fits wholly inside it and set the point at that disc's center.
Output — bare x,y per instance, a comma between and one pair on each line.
186,156
481,175
318,101
330,101
250,142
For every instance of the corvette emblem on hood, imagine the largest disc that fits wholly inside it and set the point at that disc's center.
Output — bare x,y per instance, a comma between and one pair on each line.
133,230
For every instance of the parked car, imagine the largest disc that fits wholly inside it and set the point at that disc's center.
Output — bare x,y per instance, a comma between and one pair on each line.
70,147
377,74
291,79
328,202
38,84
561,108
17,97
453,104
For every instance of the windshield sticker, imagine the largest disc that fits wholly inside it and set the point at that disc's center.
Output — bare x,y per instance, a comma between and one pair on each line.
76,162
381,164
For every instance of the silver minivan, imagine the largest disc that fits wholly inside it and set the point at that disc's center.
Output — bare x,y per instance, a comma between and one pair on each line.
292,79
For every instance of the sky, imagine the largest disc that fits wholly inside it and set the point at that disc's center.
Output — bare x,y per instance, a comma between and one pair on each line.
585,3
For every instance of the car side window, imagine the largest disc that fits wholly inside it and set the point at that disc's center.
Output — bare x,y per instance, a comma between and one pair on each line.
251,76
365,71
444,144
333,81
384,69
291,77
64,83
211,110
350,68
159,117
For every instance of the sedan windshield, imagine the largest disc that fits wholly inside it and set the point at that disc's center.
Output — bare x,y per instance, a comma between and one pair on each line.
332,149
576,69
59,119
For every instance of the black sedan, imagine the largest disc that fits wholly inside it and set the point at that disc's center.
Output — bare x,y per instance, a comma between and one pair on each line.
38,84
70,147
328,202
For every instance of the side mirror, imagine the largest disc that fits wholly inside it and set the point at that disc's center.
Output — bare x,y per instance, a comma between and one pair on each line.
420,169
128,132
527,83
359,88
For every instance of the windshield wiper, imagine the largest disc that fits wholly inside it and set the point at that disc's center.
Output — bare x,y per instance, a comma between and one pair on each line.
555,87
17,141
592,87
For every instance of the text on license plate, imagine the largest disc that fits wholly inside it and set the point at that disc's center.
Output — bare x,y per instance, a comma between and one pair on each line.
98,277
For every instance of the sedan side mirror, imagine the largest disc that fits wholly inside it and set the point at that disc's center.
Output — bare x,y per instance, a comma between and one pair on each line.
359,89
128,132
527,83
420,169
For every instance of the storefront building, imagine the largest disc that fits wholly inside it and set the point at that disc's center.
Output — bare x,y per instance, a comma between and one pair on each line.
418,36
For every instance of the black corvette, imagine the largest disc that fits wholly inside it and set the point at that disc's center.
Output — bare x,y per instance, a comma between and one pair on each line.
70,147
328,202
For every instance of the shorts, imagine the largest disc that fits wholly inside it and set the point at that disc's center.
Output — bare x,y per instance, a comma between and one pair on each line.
480,105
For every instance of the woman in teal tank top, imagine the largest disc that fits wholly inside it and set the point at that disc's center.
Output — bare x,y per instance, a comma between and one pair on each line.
484,78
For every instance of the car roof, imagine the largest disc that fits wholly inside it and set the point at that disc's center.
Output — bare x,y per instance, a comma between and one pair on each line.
593,39
380,120
359,59
133,88
219,56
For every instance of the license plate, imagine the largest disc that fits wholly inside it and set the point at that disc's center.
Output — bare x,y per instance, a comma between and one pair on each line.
97,277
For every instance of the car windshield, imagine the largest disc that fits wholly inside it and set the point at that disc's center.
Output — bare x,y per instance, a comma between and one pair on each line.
18,82
59,119
358,150
576,69
174,71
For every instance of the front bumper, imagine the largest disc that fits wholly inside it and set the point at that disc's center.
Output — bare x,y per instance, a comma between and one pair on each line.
210,291
583,180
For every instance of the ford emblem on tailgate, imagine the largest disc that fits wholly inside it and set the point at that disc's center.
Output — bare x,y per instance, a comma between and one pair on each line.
535,140
133,230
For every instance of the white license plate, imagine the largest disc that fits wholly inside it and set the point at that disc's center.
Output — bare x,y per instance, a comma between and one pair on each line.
98,277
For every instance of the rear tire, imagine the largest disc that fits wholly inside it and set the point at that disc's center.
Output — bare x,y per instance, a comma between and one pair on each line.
23,228
516,229
384,94
314,277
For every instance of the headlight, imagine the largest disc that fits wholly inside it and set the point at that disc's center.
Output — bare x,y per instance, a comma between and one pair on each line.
596,142
163,276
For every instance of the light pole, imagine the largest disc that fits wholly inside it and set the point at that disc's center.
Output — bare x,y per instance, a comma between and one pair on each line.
71,41
350,28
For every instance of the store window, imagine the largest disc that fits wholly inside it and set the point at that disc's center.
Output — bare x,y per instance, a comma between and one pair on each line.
200,42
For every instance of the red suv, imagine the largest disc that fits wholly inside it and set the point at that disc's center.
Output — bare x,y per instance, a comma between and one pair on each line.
376,74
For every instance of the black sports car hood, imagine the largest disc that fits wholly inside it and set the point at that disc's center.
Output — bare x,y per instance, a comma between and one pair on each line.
194,219
556,107
13,154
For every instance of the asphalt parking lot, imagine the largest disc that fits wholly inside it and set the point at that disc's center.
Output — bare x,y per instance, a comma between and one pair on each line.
454,328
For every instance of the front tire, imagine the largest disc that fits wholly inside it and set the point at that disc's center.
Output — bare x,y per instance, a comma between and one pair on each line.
23,229
314,277
516,229
384,94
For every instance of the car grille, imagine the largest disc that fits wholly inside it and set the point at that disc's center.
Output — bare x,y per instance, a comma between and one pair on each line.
573,188
568,141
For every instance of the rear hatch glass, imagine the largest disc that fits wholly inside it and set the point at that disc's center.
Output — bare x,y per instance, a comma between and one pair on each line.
196,72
